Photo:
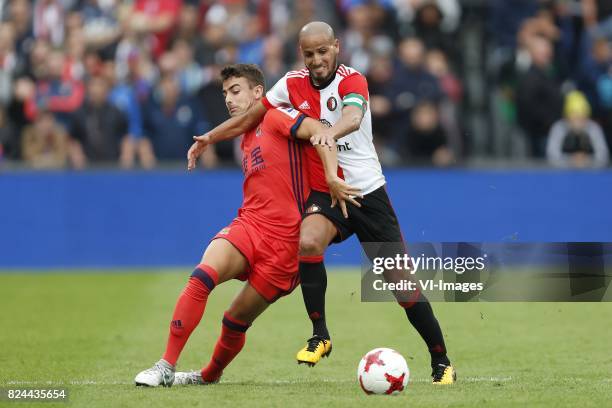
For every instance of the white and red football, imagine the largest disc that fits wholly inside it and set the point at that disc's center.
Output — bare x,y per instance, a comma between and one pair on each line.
383,371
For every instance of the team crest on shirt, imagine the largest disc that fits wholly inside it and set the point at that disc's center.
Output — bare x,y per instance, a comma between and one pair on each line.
332,103
313,209
224,231
258,132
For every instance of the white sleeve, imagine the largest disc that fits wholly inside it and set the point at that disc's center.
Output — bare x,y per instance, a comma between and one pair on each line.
278,95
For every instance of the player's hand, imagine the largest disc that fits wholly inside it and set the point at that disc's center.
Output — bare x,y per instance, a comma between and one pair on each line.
198,147
341,192
325,138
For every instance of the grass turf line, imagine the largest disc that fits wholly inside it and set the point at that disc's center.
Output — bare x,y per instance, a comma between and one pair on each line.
93,332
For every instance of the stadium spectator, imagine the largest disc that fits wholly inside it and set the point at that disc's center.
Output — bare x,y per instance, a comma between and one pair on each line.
538,95
576,140
55,91
172,119
74,65
209,43
137,71
595,80
101,29
23,90
597,14
412,75
452,89
380,85
250,48
157,19
213,103
9,137
49,21
20,15
427,142
273,65
557,26
190,73
407,11
290,16
234,16
418,42
99,127
363,34
410,86
506,18
428,26
188,25
136,145
35,65
8,61
45,144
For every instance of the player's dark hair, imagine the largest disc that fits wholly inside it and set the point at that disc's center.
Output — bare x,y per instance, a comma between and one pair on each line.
251,72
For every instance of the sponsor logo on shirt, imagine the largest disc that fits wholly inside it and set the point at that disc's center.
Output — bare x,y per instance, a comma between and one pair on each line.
304,106
343,147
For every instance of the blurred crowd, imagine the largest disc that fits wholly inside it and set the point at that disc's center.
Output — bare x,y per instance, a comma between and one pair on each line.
128,83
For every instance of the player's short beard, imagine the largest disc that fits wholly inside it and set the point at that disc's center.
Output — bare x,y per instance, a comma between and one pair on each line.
334,65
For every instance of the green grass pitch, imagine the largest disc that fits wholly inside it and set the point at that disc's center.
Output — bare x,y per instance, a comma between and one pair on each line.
93,331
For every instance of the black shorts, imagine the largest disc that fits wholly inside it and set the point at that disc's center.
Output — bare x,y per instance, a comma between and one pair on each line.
376,227
374,221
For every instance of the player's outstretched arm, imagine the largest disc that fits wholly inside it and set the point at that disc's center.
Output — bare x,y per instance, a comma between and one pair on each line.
348,123
233,127
339,190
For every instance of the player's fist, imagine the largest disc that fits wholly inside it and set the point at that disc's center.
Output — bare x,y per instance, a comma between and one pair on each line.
197,148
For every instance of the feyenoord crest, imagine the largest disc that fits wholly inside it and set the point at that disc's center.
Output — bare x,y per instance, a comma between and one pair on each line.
332,103
313,209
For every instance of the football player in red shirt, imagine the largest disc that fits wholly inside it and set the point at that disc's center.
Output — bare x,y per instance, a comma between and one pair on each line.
261,243
338,94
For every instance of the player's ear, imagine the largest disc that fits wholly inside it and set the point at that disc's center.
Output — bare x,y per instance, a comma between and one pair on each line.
259,91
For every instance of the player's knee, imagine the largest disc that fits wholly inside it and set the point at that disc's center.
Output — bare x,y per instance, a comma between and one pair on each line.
311,245
237,319
203,280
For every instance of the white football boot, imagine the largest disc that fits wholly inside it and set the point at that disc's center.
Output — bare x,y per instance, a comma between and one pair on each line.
191,378
162,373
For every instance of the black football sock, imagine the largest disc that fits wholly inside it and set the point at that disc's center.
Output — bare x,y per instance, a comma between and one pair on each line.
314,284
422,317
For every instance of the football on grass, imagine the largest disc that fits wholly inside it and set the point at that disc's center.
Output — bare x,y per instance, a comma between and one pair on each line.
383,371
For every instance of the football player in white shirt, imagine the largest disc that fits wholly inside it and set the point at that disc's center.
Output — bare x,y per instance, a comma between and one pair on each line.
338,96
